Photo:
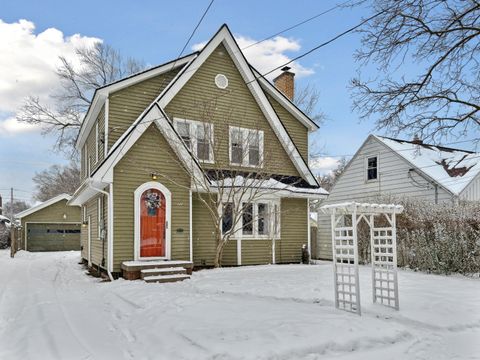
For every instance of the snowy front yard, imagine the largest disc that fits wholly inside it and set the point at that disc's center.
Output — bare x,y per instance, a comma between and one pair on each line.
50,310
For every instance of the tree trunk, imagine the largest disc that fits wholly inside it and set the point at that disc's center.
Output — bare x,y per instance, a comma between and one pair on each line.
219,251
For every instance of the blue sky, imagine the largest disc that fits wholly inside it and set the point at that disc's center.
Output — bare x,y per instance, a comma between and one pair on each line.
155,32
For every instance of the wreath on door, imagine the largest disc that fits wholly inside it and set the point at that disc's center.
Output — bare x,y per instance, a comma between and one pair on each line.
152,202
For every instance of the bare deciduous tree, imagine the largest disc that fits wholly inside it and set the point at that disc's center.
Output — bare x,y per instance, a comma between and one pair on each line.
427,54
18,206
306,98
57,180
97,66
327,181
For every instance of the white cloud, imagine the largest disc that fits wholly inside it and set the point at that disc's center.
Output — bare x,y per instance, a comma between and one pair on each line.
269,54
11,126
28,62
324,165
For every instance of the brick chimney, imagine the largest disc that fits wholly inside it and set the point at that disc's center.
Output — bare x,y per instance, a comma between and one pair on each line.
285,82
416,140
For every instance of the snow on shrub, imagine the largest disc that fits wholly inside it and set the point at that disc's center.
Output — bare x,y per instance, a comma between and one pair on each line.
443,238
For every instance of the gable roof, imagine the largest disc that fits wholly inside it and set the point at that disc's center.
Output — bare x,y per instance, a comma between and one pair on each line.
101,94
42,205
155,111
453,169
225,37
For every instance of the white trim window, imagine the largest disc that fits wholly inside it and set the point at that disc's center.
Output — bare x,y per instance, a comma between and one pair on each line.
197,136
246,147
261,219
372,168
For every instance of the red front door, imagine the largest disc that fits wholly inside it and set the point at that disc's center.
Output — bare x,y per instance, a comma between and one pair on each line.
152,223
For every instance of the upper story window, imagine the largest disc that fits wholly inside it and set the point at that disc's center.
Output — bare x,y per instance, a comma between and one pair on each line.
372,168
246,147
198,137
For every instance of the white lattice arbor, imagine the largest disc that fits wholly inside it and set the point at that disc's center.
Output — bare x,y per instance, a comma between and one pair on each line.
345,218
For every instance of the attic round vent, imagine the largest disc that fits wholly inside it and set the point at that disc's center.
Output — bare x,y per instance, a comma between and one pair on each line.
221,81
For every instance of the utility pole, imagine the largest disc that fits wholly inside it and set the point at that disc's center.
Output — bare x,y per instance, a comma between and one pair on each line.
12,226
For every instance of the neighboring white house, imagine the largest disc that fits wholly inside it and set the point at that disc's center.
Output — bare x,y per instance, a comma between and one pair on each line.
386,166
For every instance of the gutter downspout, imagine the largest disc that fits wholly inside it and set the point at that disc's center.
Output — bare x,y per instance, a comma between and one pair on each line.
109,233
191,226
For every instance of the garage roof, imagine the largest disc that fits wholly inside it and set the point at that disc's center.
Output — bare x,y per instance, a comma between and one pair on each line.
42,205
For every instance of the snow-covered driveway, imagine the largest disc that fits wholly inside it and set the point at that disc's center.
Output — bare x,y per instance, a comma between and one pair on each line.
50,310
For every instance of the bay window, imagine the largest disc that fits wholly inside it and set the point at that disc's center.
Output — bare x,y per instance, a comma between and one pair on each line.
197,137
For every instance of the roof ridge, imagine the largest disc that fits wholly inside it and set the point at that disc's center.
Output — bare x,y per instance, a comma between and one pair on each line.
446,148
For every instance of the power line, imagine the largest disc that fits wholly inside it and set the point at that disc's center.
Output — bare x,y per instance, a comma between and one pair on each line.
125,141
298,24
353,28
195,29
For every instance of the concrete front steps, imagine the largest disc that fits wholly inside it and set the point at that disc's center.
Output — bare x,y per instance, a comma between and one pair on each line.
162,275
160,271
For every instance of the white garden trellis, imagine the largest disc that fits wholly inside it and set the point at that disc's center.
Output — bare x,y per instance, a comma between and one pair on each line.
383,241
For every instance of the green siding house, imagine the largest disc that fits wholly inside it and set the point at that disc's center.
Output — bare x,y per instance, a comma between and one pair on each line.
52,225
157,146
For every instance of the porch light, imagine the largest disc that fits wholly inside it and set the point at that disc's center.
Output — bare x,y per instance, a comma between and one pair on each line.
84,223
64,216
154,176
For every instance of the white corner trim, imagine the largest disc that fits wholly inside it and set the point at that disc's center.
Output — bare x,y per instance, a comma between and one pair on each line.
168,217
309,235
190,224
89,241
43,205
105,133
110,229
239,250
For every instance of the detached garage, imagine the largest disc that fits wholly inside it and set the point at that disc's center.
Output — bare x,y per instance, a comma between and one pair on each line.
51,226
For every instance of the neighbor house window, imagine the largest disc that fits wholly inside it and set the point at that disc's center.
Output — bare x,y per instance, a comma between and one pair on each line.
372,168
197,136
246,147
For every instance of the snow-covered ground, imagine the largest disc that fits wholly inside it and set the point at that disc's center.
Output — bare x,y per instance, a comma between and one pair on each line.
50,310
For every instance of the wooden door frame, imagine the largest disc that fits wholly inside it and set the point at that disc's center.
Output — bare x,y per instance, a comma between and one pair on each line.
168,214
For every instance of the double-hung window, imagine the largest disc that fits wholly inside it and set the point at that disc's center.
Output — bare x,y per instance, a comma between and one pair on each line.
246,147
372,168
197,136
258,220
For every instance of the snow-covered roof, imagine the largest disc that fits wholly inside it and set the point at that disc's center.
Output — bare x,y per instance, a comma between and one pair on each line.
361,208
451,168
42,205
270,184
